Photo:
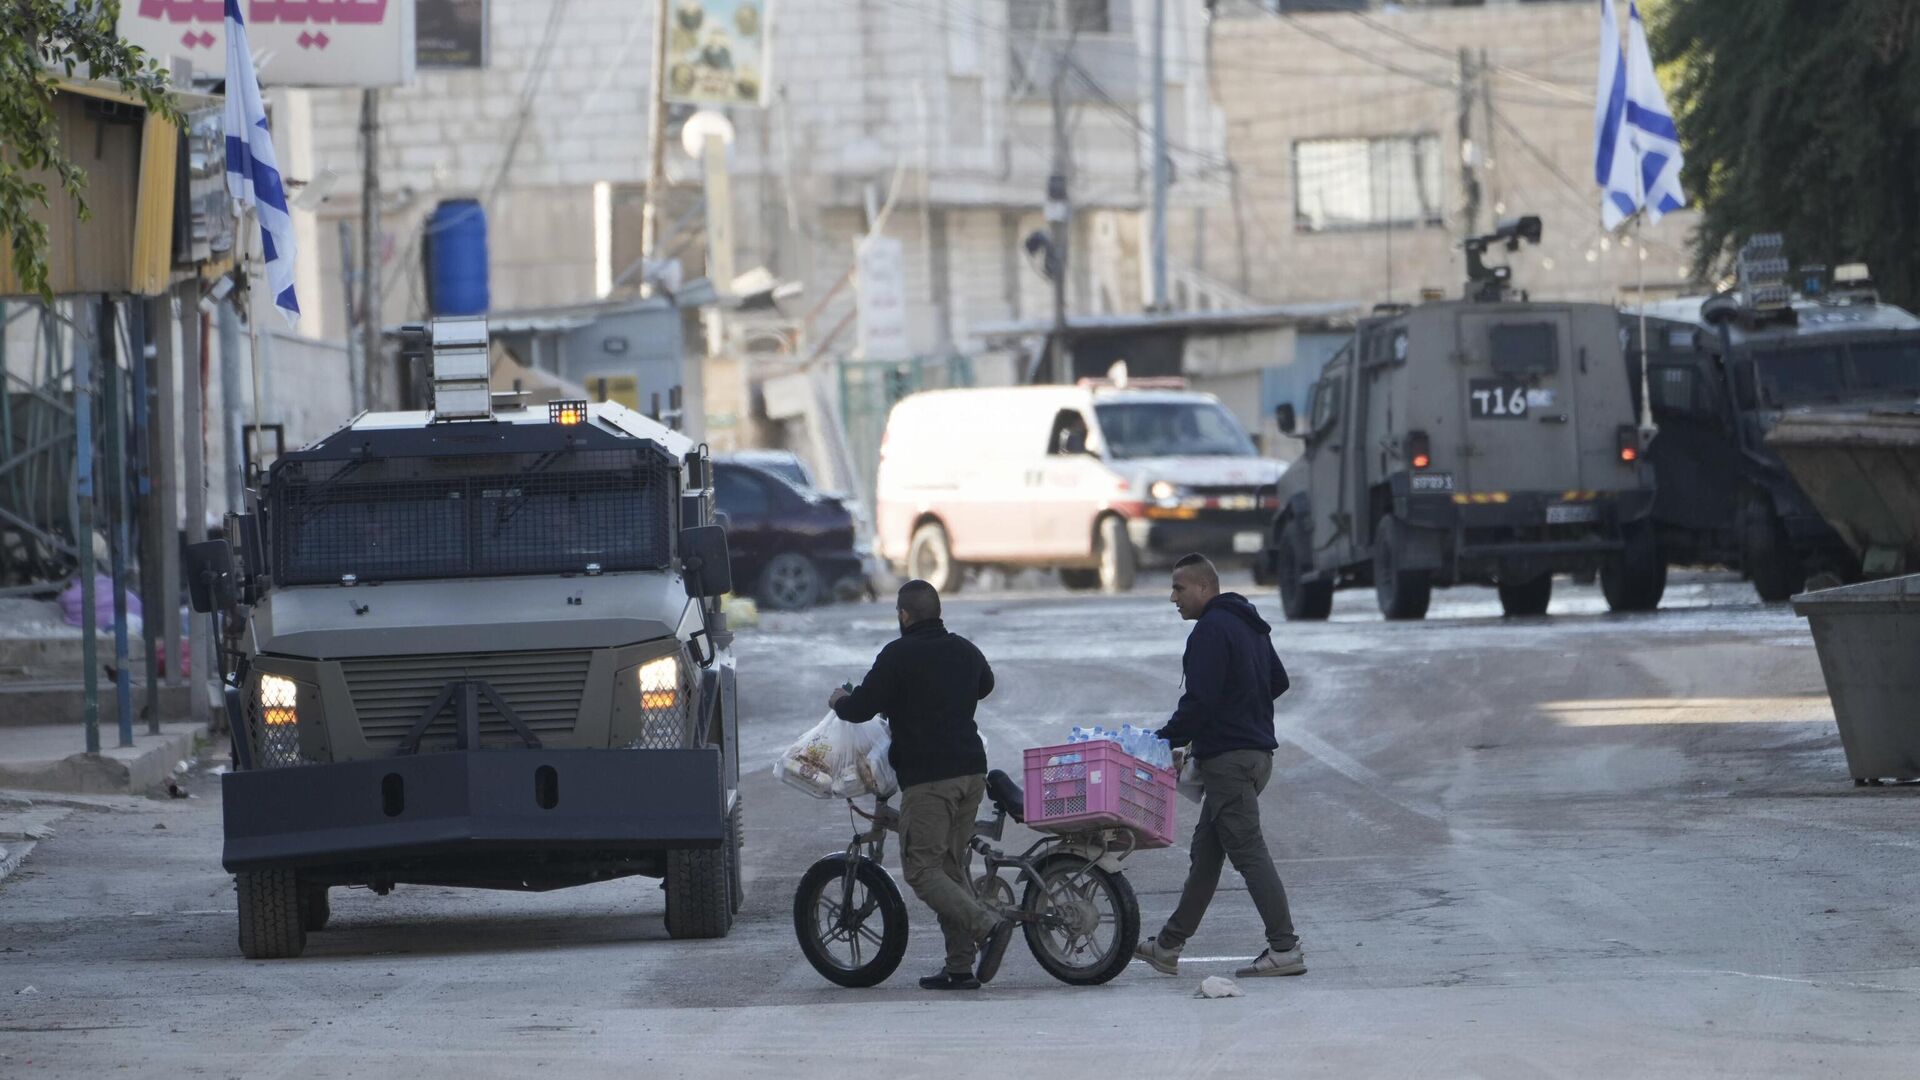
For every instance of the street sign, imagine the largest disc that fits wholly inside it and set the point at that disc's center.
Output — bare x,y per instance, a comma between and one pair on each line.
296,42
716,52
880,291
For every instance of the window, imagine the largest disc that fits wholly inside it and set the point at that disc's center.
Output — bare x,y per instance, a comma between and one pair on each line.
1674,388
1171,428
1366,183
1326,404
1069,434
739,493
1524,348
1027,17
1888,365
1802,374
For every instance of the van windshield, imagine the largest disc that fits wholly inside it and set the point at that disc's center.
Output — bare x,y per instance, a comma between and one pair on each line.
1146,429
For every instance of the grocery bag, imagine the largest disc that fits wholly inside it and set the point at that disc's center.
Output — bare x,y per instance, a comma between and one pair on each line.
1188,782
835,760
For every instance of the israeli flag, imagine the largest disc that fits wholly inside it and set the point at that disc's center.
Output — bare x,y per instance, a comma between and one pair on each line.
253,177
1614,162
1656,142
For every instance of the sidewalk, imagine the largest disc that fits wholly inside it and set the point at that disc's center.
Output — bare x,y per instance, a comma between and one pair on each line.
51,757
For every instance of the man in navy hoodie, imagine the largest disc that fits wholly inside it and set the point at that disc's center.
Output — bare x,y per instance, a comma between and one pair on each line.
1225,719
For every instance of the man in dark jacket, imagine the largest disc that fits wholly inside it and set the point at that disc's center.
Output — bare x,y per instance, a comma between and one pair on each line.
927,682
1225,719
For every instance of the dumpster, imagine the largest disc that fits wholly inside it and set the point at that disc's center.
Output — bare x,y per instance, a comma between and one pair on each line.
1868,636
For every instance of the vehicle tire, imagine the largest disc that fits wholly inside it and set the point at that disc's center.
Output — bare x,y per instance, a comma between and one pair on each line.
1080,580
1635,579
1103,920
315,909
1118,566
697,902
930,558
1402,594
1771,564
272,923
790,582
737,840
1300,600
1263,574
861,955
1526,597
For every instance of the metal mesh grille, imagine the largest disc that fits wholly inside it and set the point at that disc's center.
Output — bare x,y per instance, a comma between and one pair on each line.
670,725
391,519
274,745
542,688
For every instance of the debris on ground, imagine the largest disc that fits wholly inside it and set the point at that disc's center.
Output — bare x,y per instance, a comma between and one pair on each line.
27,990
1218,986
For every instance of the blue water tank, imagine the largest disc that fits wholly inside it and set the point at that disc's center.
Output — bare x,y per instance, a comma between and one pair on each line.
457,258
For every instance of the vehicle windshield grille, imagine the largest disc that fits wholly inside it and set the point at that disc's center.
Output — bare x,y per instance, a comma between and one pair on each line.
393,519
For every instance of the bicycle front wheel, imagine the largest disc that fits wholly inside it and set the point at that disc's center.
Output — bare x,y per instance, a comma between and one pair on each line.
851,920
1097,925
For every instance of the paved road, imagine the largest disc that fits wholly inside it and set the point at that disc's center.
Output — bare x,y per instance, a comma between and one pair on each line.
1574,846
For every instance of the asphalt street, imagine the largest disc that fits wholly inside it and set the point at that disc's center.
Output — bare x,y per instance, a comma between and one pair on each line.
1580,845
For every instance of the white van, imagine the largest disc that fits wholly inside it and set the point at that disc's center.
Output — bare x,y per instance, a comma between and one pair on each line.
1093,480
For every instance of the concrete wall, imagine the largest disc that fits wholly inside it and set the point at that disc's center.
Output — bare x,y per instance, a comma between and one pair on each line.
1332,75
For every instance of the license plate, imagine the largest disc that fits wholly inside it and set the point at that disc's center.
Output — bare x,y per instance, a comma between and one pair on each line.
1572,514
1246,543
1432,481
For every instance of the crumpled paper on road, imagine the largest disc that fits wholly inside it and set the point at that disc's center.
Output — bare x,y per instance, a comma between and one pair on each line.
1218,986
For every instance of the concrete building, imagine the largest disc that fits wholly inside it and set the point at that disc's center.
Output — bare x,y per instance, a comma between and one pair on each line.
1367,141
935,110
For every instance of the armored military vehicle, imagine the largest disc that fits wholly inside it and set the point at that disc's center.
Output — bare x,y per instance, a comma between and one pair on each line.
1723,371
477,646
1488,440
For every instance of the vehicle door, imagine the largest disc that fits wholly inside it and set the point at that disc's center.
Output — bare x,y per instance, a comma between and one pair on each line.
1378,451
749,502
1326,459
1517,400
1069,484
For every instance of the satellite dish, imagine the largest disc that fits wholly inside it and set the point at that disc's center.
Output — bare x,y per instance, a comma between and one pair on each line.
693,134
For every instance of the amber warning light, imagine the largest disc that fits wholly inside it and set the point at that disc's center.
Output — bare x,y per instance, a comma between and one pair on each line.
566,412
1629,445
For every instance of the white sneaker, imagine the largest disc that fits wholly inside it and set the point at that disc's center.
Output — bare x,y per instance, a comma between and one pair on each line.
1291,962
1164,961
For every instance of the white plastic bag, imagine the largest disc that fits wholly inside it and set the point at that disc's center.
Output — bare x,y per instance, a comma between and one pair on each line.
1188,782
835,760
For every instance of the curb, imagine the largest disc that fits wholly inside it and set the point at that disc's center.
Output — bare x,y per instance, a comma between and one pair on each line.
115,772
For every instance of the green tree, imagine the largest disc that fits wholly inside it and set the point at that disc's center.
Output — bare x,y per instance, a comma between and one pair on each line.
38,39
1801,117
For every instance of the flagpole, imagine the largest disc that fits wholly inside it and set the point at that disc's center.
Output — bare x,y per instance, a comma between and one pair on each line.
250,230
1647,430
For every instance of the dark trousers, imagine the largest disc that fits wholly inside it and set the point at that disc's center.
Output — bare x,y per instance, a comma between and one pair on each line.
936,824
1229,828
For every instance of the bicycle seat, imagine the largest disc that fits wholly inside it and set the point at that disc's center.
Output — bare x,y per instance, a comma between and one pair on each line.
1007,796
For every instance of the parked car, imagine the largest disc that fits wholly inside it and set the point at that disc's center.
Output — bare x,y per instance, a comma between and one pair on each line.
791,547
1093,480
784,464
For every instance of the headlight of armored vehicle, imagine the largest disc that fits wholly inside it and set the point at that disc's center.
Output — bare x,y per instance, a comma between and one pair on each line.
275,720
650,704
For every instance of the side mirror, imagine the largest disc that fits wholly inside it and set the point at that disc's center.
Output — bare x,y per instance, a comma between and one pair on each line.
1283,416
210,585
704,565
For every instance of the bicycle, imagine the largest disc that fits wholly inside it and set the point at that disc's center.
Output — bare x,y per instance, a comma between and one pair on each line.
1077,911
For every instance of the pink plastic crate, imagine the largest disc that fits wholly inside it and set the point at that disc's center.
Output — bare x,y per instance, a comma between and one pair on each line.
1093,785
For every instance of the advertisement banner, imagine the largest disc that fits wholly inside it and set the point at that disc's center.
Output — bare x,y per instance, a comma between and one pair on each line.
880,300
716,52
295,42
450,33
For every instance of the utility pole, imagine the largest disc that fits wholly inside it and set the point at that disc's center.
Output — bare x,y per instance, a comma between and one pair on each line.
1158,300
1488,163
356,345
1059,208
1469,170
369,248
83,527
656,146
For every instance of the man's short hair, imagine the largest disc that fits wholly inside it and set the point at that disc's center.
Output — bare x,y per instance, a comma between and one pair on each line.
920,600
1204,568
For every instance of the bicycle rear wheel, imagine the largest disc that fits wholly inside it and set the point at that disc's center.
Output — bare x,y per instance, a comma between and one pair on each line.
854,940
1099,920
